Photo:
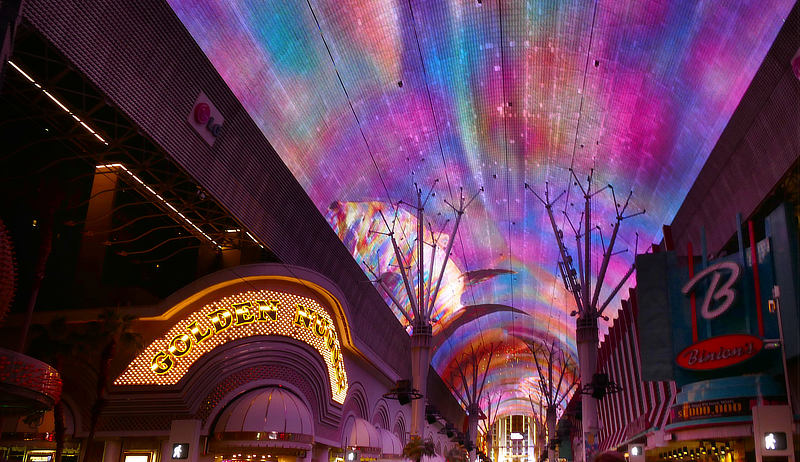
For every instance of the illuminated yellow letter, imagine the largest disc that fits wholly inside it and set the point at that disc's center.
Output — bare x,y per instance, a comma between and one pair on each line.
243,315
340,374
199,335
180,345
221,319
267,311
330,338
320,326
162,362
302,317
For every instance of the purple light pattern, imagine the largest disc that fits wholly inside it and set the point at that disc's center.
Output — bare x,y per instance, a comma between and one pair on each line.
493,94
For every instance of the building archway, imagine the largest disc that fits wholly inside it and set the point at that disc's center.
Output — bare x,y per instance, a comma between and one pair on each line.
270,424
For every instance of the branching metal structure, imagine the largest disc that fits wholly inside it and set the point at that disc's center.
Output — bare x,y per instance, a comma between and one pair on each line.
422,295
472,370
492,406
579,284
541,432
552,366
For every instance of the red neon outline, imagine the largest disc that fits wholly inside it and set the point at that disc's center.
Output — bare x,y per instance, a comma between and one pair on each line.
692,299
754,255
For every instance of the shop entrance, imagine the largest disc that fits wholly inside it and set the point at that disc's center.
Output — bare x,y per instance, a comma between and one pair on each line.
264,425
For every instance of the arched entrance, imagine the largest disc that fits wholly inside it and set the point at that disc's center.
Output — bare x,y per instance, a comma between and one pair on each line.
264,425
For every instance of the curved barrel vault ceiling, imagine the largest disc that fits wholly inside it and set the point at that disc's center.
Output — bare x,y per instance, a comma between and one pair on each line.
362,98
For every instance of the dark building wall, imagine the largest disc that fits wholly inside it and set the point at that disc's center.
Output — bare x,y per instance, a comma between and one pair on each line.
757,148
144,60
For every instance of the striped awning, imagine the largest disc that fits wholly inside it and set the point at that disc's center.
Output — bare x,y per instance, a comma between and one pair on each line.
613,440
641,406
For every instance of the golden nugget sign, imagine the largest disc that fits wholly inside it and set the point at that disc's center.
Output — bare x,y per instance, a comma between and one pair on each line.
263,312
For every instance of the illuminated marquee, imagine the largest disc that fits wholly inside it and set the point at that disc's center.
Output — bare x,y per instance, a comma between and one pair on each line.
262,312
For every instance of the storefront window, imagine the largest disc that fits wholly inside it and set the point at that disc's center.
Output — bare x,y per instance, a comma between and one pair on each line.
137,457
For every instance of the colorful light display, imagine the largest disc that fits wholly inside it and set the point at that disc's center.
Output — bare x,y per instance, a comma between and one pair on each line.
360,98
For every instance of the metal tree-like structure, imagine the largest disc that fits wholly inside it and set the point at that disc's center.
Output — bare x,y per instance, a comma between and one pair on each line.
541,432
422,295
552,367
472,370
492,406
579,284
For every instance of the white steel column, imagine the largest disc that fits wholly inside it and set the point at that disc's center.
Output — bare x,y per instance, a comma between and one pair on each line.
420,365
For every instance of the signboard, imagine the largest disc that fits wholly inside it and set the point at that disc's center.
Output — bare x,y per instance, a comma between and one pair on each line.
40,456
259,312
717,313
636,453
701,410
136,457
206,119
718,352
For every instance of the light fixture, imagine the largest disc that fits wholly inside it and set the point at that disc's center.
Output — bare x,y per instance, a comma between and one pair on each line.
158,197
59,103
253,239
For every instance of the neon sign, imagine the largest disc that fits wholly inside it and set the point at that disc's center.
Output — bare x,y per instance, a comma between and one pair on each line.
725,292
254,313
718,352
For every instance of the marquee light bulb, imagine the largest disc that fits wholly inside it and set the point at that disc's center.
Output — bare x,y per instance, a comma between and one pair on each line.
254,313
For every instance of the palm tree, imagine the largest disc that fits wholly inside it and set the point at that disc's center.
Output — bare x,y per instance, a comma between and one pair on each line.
416,448
111,331
53,344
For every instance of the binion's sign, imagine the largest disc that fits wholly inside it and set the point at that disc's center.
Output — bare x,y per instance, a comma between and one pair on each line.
702,320
718,281
719,290
262,312
718,352
716,286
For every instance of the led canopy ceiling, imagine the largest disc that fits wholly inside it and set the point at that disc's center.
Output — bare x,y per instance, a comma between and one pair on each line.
363,98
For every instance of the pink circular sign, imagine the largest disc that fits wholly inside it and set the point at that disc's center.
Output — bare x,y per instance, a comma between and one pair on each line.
202,113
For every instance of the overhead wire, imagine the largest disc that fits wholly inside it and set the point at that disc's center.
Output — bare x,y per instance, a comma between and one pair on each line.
394,205
349,102
505,105
444,160
575,140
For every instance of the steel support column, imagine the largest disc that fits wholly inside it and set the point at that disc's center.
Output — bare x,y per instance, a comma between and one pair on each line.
420,364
